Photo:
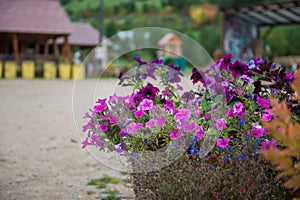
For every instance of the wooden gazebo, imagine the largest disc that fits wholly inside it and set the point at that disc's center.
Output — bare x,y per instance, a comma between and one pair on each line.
240,35
27,25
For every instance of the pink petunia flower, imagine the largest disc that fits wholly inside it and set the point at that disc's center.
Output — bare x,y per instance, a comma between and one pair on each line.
207,116
102,105
221,124
150,123
267,117
183,115
267,144
114,120
179,87
160,121
146,104
190,127
257,131
133,127
238,108
122,132
223,143
139,113
263,102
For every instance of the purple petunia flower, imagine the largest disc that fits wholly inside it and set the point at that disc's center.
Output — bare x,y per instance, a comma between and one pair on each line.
139,113
229,113
160,121
238,110
146,104
289,77
251,64
259,61
88,126
247,79
101,107
114,120
173,76
196,76
122,132
225,62
257,131
148,92
238,69
221,124
267,144
263,102
138,59
207,116
223,143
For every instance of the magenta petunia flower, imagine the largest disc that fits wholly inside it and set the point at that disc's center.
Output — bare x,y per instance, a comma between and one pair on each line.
207,116
238,69
238,108
122,132
114,120
160,121
267,117
103,127
221,124
263,102
88,126
175,134
257,131
101,105
85,143
200,133
146,104
267,144
229,113
139,113
133,127
183,115
196,76
223,143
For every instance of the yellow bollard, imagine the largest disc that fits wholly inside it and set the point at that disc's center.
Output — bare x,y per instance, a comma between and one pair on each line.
49,70
78,72
1,68
28,69
64,70
10,69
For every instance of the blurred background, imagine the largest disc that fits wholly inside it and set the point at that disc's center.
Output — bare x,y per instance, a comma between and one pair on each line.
50,38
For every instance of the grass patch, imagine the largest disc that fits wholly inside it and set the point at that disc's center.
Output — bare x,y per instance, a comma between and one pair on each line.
90,192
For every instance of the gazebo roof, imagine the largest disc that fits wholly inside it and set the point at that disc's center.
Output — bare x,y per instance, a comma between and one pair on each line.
34,17
84,34
267,14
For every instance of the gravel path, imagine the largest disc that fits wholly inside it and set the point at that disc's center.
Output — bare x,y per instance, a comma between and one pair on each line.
40,152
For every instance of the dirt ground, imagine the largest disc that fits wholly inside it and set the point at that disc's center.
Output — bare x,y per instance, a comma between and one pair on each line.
40,151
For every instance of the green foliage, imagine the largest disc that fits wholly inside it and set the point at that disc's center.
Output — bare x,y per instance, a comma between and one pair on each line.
283,129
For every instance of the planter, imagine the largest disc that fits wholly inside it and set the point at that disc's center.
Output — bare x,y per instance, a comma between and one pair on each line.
191,177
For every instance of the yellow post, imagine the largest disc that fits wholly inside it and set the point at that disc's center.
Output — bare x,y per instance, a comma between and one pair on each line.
28,69
78,72
10,69
1,68
64,70
49,70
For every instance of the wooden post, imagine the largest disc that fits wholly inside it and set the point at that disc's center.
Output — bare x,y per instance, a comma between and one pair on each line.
15,44
46,48
66,49
55,47
36,48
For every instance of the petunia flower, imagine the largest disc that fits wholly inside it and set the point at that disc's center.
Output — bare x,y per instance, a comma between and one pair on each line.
122,132
196,76
230,112
146,104
223,143
85,143
103,127
267,117
200,133
263,102
175,134
183,115
138,59
221,124
148,92
267,144
114,120
238,69
133,127
139,113
151,123
189,127
225,62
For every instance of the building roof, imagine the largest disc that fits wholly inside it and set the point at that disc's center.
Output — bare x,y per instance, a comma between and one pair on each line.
166,38
267,14
34,16
84,34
